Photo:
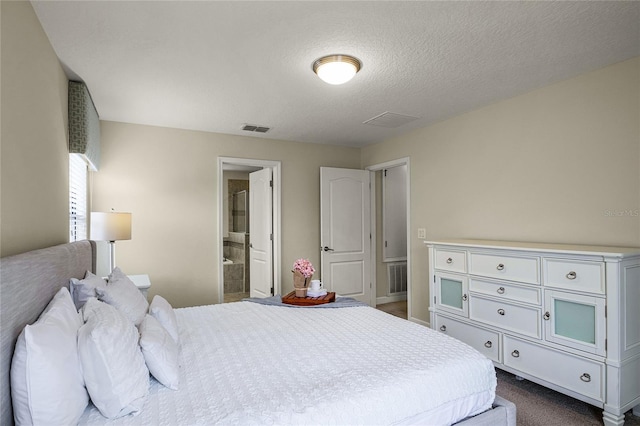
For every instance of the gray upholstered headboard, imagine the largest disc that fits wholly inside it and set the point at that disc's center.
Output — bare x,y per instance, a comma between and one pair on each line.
28,281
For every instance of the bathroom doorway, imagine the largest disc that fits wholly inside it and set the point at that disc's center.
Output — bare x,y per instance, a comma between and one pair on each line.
235,240
234,220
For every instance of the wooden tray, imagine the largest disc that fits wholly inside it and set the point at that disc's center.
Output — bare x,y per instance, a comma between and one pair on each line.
291,299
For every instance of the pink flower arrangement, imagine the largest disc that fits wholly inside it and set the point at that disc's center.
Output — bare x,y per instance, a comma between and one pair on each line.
304,267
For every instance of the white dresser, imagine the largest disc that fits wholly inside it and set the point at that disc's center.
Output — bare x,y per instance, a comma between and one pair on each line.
566,317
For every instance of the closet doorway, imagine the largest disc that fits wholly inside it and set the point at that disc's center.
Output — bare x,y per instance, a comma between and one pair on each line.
390,232
248,261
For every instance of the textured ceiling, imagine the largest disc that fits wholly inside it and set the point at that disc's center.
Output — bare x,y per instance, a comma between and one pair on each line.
215,65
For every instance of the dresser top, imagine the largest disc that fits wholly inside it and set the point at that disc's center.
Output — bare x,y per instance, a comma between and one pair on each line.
546,247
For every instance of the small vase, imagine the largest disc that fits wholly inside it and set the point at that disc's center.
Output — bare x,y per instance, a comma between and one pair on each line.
300,283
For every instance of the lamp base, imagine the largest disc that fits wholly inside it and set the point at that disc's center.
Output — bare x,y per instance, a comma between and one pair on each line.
112,256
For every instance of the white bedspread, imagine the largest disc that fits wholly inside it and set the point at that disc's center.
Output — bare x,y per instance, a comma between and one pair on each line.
245,363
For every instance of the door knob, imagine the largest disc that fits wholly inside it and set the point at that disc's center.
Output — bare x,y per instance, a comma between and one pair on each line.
325,248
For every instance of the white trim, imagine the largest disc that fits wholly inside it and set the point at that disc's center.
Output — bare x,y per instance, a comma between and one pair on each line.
372,227
276,166
390,299
375,168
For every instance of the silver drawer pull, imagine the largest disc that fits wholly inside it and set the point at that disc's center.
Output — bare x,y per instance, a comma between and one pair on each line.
546,316
500,290
585,377
443,328
501,311
500,267
571,275
464,297
515,354
488,344
449,260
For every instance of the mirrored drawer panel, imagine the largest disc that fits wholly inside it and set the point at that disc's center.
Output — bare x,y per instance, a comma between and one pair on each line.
575,275
523,269
520,319
507,291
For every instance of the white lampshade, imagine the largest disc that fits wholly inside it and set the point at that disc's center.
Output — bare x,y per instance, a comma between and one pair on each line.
336,69
110,226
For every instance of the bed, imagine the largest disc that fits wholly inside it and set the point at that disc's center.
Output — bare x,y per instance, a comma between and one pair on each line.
254,363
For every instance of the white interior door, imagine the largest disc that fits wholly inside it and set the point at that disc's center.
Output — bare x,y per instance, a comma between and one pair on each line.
345,232
260,233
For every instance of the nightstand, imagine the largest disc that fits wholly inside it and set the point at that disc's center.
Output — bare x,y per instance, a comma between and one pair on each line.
142,282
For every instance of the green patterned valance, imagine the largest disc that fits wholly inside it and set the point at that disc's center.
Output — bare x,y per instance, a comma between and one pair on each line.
84,124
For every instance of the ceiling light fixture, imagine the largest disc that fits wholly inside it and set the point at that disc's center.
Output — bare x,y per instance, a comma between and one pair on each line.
336,69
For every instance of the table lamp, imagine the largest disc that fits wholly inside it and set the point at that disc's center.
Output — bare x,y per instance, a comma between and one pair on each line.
111,227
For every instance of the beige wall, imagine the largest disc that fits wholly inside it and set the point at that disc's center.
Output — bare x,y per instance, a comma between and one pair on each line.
559,164
34,155
168,179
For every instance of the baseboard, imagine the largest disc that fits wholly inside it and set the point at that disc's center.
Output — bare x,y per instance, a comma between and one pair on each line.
419,321
390,299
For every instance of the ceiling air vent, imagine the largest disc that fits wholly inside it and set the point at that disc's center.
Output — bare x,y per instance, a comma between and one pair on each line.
390,119
255,128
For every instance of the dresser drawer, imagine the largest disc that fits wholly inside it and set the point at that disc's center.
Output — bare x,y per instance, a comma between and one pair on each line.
574,275
571,372
520,319
451,260
484,341
524,269
506,291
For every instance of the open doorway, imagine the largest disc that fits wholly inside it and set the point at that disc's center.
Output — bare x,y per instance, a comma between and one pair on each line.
235,260
391,260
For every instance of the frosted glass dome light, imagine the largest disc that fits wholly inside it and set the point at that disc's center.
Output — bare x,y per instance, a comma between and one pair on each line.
336,69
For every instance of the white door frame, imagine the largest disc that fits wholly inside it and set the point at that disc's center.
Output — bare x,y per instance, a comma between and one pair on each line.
277,217
374,168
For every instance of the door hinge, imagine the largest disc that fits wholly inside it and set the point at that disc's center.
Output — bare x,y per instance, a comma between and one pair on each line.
434,300
434,278
385,244
605,344
605,311
271,237
272,291
271,183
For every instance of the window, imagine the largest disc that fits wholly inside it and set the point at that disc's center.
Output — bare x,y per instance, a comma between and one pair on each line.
77,198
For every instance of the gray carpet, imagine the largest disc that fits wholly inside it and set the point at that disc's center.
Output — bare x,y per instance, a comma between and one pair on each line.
539,406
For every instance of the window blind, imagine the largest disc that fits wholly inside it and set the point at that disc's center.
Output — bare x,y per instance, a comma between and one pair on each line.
77,198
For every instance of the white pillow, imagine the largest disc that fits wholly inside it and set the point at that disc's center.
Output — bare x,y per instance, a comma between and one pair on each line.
160,352
81,290
113,366
46,381
161,310
121,293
